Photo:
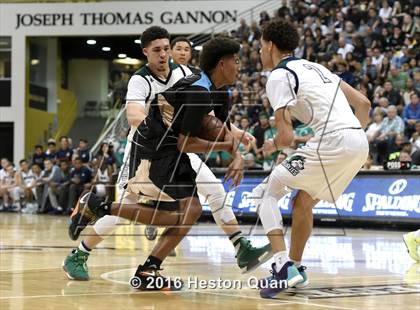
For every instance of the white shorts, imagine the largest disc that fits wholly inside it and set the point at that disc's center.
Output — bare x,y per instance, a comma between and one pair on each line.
325,173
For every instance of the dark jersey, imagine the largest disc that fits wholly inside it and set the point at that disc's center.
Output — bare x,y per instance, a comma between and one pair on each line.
179,110
39,160
84,155
65,154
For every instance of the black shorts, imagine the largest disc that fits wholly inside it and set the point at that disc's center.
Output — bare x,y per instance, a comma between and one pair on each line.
167,178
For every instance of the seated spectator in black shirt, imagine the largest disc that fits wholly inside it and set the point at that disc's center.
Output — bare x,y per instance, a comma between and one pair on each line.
83,152
39,156
398,37
60,186
252,109
344,73
64,152
51,152
392,95
80,177
259,132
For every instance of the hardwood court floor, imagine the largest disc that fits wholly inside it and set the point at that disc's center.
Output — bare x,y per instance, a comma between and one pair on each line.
363,270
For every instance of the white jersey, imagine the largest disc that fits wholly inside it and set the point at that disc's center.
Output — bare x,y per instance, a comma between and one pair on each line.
103,176
313,95
28,177
3,174
142,88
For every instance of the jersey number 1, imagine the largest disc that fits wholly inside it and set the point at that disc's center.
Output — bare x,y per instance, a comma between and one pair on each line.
322,76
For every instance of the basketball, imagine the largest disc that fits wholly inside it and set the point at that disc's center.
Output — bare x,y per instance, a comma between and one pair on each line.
212,129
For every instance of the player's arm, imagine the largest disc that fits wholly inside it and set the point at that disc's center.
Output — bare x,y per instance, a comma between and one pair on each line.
195,103
280,92
285,135
235,170
190,144
241,135
136,113
137,92
358,101
18,179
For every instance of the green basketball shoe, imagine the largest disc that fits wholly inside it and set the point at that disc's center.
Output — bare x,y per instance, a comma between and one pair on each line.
249,257
75,265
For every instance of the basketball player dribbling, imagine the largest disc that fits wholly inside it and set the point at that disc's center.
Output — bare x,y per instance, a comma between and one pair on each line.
155,77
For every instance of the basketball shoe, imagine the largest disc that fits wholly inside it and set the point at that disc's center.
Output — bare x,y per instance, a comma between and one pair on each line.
288,276
75,265
305,281
149,279
413,244
249,257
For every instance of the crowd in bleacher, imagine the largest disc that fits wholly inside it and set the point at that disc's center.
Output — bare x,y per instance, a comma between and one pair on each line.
53,179
372,45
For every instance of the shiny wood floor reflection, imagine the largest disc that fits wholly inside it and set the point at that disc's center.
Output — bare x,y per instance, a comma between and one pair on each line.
362,270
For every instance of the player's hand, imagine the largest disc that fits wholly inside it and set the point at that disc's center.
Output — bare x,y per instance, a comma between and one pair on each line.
246,138
269,147
235,171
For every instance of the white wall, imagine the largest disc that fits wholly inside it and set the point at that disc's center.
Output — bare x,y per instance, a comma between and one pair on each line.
52,46
88,79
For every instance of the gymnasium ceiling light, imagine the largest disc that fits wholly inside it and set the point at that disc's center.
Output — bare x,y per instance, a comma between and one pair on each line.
106,48
128,61
91,42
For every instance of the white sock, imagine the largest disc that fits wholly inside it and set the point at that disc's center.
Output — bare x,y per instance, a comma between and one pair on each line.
297,263
417,233
234,238
84,248
280,258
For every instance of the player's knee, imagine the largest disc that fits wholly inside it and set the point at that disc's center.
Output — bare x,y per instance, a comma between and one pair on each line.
303,202
217,196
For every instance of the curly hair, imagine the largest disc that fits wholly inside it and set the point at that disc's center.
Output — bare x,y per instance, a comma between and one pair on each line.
153,33
215,49
283,34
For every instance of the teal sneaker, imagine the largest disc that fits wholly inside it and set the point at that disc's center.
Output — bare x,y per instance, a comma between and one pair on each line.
249,257
75,265
305,281
287,276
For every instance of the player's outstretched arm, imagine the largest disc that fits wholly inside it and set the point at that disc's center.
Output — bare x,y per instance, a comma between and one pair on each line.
241,135
135,113
358,101
189,144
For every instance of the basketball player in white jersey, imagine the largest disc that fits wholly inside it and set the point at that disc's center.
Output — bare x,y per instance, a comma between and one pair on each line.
153,78
320,170
25,179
